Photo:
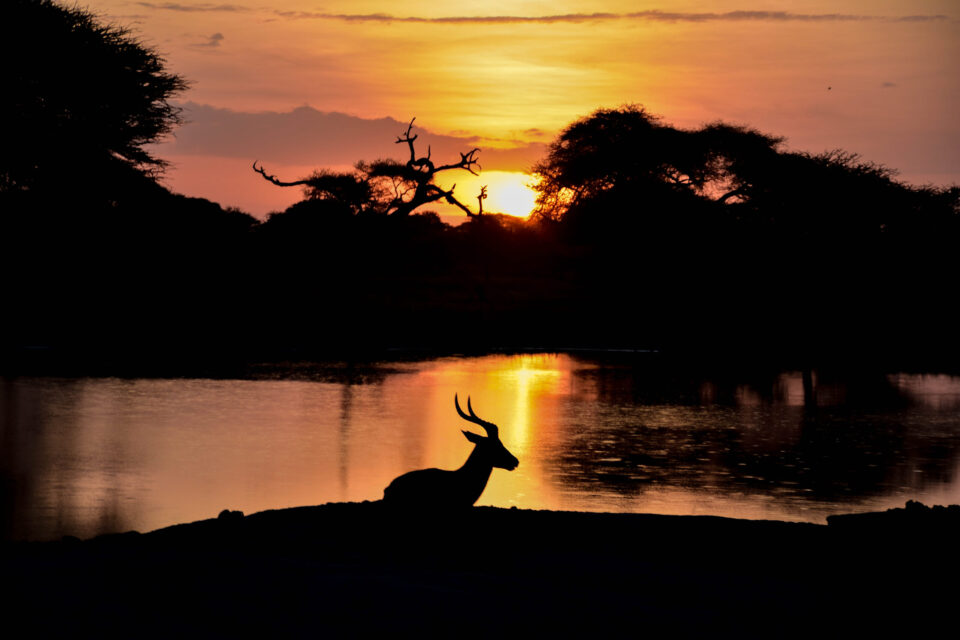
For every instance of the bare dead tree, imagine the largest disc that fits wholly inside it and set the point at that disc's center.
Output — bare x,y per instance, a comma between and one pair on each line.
414,180
397,188
480,198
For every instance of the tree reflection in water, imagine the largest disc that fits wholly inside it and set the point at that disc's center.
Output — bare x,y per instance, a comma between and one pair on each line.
861,436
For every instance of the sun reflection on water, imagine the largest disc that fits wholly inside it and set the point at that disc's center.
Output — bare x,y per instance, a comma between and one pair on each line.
519,394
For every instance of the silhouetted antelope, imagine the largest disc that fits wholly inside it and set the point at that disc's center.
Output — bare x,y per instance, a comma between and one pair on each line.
460,488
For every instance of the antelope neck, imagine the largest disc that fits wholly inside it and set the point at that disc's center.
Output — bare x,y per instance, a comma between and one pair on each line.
475,466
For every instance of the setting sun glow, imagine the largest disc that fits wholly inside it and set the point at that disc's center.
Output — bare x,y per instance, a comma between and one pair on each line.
507,191
510,193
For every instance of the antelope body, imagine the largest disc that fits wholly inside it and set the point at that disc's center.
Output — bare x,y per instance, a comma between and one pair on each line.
462,487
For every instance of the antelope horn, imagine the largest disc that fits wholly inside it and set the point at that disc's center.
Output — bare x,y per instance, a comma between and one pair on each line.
489,427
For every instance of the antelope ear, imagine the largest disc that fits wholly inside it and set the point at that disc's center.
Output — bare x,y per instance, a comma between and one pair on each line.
473,437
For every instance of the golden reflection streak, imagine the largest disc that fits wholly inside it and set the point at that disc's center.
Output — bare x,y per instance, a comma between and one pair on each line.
529,381
528,385
519,394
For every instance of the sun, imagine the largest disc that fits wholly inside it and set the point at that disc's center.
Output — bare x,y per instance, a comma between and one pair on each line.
508,192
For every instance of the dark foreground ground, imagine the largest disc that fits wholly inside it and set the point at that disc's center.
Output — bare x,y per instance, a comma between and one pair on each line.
347,570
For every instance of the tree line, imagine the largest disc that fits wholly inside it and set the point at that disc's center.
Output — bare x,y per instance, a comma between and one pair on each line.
714,240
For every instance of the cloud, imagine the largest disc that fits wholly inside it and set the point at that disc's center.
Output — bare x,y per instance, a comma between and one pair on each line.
125,17
926,18
212,41
190,8
383,17
306,136
888,85
599,16
652,16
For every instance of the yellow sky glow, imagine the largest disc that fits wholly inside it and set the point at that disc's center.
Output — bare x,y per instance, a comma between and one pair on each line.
506,74
507,191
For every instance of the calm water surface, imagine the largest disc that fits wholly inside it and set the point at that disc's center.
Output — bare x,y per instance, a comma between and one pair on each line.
93,455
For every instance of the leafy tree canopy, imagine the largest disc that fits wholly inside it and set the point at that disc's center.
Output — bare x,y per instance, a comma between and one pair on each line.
83,98
624,168
628,150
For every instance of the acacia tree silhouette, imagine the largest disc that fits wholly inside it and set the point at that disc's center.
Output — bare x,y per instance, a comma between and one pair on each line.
625,169
630,154
385,186
83,99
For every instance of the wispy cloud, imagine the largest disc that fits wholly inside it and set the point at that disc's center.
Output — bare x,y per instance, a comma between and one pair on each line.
213,40
384,17
190,8
652,16
923,18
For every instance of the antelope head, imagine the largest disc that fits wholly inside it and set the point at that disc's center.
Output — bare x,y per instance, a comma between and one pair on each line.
488,447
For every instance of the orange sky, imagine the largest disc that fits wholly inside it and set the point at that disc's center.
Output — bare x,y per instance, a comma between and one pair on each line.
509,75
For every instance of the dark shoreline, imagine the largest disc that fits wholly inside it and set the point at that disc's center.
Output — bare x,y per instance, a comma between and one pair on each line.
351,568
196,361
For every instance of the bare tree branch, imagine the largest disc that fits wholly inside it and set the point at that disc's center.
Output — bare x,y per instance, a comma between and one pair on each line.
467,161
409,140
276,181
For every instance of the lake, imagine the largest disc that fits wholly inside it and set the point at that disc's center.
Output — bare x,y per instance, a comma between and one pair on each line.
83,456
